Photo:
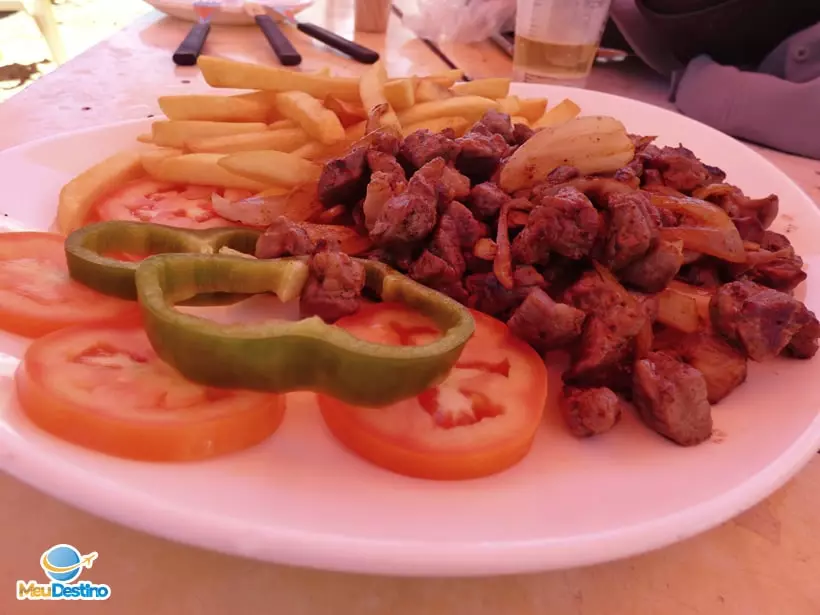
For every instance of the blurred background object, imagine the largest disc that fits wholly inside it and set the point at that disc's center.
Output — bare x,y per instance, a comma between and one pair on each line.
736,32
24,53
372,15
459,21
42,13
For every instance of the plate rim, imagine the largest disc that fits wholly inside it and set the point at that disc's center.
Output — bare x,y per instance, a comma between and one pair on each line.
335,552
231,14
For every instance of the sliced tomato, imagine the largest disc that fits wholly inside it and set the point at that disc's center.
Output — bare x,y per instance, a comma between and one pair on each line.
36,294
148,200
481,420
105,388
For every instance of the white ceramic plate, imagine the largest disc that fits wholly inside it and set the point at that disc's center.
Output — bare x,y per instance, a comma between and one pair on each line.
231,12
301,499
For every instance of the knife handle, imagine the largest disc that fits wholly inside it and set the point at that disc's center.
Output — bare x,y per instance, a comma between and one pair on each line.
354,50
191,46
282,47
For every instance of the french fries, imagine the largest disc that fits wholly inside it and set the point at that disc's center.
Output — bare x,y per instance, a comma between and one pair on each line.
172,133
284,140
496,87
594,144
511,105
428,90
279,124
214,108
532,108
446,78
203,170
80,194
271,167
371,90
152,160
221,73
319,122
347,112
458,125
559,114
400,94
318,151
470,108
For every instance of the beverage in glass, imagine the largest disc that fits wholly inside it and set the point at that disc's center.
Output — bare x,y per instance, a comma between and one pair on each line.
556,40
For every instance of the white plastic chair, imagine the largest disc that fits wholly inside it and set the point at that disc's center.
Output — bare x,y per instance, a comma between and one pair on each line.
41,11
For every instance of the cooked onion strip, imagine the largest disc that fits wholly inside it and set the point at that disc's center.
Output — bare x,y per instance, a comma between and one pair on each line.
712,231
502,264
593,144
298,204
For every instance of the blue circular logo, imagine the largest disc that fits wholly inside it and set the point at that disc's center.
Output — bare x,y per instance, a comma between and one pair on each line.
62,563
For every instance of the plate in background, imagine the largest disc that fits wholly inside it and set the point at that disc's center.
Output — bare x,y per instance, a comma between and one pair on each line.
231,12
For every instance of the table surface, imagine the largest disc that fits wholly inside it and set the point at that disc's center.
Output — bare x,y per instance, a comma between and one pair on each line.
766,561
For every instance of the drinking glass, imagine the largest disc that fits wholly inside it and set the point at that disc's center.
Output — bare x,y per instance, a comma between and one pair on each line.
556,40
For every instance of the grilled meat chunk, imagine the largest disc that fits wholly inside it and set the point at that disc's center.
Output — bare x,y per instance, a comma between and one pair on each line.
411,216
422,146
495,122
344,180
679,167
671,398
633,228
526,275
589,412
760,320
284,238
334,286
432,270
803,344
565,222
656,269
522,133
468,229
614,322
486,294
453,185
545,324
486,200
481,151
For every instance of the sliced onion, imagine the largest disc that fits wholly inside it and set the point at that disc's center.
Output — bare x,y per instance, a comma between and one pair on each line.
298,205
721,243
718,236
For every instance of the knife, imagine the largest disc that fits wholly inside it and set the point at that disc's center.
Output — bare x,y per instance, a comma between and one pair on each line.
191,46
282,47
358,52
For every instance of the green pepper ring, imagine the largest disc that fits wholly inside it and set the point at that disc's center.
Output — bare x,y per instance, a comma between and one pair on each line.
291,356
85,247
